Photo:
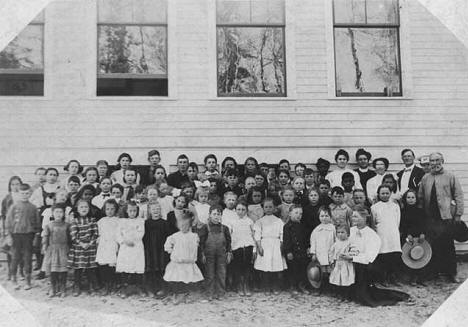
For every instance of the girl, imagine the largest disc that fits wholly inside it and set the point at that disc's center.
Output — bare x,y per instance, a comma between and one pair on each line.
165,200
74,168
390,181
213,195
105,187
284,165
284,178
341,159
156,233
242,248
310,216
386,215
130,178
268,235
365,245
201,206
288,199
380,165
131,255
91,177
322,239
123,162
87,193
255,198
300,195
228,163
260,181
160,176
180,203
299,169
103,168
250,167
55,242
153,196
116,192
82,255
106,255
43,197
413,229
342,274
183,248
192,172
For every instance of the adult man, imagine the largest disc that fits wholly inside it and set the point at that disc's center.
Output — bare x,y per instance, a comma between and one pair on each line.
176,179
362,158
441,197
425,164
410,176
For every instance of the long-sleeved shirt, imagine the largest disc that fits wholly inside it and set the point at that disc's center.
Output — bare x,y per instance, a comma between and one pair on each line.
214,228
387,222
365,244
334,177
295,240
22,218
321,240
242,233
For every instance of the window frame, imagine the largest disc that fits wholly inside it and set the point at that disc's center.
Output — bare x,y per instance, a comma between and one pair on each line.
252,96
403,52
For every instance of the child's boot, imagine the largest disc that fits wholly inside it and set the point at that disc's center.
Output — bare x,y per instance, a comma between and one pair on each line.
63,284
28,282
77,283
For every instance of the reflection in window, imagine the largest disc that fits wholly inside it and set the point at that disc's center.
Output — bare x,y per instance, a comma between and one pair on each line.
22,62
367,48
132,48
250,48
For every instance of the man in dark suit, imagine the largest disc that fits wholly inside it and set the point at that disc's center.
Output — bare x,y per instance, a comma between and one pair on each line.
409,177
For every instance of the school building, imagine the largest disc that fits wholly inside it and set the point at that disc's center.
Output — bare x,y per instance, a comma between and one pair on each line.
269,78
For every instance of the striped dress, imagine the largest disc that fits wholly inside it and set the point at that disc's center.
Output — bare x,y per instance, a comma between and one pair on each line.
84,230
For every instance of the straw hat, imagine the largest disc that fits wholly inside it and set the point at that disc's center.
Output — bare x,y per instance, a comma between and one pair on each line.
416,255
314,274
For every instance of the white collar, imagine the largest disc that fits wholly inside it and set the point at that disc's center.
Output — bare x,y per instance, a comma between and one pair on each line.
363,170
410,168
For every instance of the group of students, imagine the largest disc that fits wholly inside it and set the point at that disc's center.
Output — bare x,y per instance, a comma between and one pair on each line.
136,231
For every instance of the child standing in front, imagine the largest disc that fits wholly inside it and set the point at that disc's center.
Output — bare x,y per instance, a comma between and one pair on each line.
342,274
386,214
340,212
322,239
106,255
131,255
268,235
229,214
255,199
215,243
295,248
283,209
55,239
82,255
183,249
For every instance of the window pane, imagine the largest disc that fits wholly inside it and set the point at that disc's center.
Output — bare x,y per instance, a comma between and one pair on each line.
382,11
251,61
133,11
22,84
367,61
267,11
349,11
25,51
132,86
132,49
233,12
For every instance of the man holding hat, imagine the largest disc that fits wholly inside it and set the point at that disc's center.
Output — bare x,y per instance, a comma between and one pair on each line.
441,196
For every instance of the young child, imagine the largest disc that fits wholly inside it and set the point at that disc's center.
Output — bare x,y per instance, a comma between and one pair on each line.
255,199
386,215
116,194
249,183
82,254
268,235
229,214
284,178
295,247
340,212
123,163
180,203
141,200
74,184
40,178
347,182
165,200
130,183
22,223
131,255
211,165
242,248
360,198
152,196
322,239
413,229
310,215
215,243
323,166
103,168
213,195
390,181
91,177
201,205
299,169
309,179
231,178
183,249
342,274
105,187
300,195
55,240
250,167
106,254
156,233
324,190
288,199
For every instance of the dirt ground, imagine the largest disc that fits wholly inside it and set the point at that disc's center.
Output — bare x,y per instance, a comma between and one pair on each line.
233,310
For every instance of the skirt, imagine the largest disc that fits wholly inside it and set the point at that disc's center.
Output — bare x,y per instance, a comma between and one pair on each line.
342,274
182,272
272,259
56,258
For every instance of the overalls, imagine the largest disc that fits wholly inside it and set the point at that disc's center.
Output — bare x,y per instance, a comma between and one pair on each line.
215,254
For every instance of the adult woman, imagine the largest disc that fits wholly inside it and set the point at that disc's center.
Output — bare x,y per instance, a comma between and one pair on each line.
380,165
123,162
334,177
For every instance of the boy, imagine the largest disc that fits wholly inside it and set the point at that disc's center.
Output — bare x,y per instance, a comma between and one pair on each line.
324,189
309,179
22,223
340,212
232,182
215,243
347,181
229,213
322,167
295,246
73,187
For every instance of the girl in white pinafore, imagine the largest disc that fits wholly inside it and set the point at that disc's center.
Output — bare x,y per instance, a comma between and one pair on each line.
343,271
268,235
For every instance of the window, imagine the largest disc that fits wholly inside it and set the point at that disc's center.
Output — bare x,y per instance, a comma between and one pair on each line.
22,62
367,48
251,48
132,48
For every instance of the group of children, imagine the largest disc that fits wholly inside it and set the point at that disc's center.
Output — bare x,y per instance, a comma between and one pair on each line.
138,231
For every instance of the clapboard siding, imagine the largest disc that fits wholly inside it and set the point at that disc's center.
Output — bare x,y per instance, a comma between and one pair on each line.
70,122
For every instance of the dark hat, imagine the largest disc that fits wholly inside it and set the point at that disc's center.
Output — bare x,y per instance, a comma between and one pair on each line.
459,231
322,162
314,274
417,254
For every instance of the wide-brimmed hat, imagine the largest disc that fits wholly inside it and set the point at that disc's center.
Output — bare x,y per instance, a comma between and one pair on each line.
417,254
314,274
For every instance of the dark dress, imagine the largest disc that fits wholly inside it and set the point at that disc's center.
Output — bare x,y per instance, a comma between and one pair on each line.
156,233
364,177
412,222
310,219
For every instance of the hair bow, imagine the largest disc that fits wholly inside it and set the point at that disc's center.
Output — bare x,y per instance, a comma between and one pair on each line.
176,192
199,184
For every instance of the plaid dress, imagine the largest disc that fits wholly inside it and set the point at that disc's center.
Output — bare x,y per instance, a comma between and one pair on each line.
83,230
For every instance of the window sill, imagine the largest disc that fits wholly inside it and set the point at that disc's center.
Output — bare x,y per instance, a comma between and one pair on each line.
132,98
370,98
253,99
23,97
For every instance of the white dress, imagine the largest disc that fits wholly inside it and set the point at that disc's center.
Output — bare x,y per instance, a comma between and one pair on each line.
372,186
167,205
183,248
131,259
268,230
203,212
107,242
343,272
321,240
387,222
